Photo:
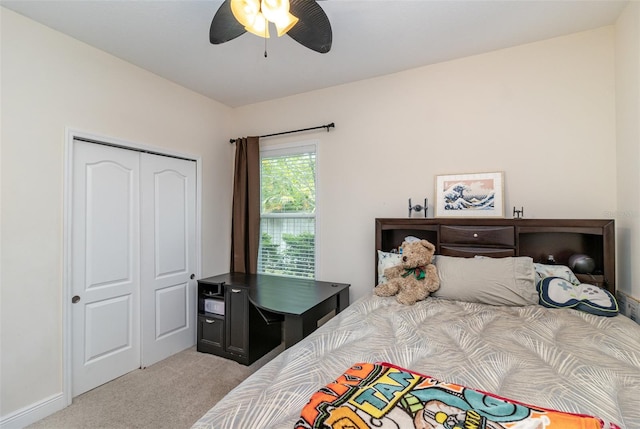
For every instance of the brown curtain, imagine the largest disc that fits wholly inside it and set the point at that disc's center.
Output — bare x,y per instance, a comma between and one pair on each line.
245,223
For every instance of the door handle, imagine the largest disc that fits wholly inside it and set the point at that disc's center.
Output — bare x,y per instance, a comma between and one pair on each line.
75,299
192,276
235,290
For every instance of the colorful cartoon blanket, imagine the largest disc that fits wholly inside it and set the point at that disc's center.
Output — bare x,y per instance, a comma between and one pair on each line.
386,396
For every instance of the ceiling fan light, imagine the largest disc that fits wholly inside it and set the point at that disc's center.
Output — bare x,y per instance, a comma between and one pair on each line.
277,11
285,24
259,26
245,11
274,10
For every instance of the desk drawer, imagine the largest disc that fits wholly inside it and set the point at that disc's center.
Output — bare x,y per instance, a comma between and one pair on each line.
210,331
478,235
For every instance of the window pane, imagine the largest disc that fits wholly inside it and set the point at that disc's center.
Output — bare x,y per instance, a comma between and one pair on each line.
288,184
288,203
287,246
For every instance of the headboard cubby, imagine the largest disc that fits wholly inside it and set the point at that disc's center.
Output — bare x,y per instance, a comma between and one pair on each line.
537,238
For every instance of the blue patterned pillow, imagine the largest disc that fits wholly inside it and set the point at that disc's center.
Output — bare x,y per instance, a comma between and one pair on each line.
557,292
386,260
544,271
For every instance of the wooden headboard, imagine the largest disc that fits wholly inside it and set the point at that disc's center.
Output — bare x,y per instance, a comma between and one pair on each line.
537,238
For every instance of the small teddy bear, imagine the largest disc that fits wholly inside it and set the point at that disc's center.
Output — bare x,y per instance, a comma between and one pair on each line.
415,278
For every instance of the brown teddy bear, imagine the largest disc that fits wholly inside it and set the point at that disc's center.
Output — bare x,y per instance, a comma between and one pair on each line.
415,278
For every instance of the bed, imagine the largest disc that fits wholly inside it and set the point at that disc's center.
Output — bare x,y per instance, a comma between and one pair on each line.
556,358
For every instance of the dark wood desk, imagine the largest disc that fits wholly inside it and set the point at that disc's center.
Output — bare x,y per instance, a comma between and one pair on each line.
299,303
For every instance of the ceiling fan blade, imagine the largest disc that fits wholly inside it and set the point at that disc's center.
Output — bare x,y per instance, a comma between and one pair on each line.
313,30
224,26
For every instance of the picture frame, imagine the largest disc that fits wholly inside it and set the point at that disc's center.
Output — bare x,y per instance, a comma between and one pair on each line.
479,195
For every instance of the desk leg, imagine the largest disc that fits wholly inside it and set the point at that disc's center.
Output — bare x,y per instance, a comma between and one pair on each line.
343,300
296,328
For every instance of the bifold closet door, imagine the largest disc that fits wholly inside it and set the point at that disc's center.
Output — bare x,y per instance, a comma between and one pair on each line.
134,252
168,288
106,264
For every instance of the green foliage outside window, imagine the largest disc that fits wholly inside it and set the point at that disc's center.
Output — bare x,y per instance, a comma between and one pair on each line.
295,259
288,184
270,254
299,252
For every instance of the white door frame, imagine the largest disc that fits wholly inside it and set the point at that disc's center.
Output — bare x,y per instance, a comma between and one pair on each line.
70,135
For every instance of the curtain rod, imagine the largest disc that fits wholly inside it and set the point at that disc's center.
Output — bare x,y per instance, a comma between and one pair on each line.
331,125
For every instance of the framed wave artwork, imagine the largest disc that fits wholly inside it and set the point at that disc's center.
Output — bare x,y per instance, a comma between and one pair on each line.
470,195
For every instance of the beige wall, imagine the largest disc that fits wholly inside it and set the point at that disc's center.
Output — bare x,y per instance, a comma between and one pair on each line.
628,136
49,82
544,113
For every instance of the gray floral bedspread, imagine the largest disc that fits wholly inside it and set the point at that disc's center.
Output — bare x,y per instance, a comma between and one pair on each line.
553,358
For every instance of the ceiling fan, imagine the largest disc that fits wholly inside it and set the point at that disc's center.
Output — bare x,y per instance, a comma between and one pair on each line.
303,20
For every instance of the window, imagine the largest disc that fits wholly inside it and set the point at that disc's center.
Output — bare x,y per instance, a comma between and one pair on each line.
288,211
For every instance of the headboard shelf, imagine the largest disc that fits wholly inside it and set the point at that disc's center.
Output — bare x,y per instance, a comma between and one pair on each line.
537,238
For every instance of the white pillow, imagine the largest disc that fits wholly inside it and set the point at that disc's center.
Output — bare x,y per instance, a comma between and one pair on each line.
495,281
386,260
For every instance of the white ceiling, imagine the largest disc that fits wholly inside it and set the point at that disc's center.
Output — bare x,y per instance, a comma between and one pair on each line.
370,38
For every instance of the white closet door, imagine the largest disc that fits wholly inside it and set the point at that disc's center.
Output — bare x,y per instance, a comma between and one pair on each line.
106,266
168,293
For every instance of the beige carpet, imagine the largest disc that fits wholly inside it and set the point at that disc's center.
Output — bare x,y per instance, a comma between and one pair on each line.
173,393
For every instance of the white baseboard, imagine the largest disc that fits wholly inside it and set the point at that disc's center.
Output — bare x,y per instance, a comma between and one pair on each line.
32,413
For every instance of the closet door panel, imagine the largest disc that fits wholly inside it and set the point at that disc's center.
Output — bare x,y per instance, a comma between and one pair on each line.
105,265
168,189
